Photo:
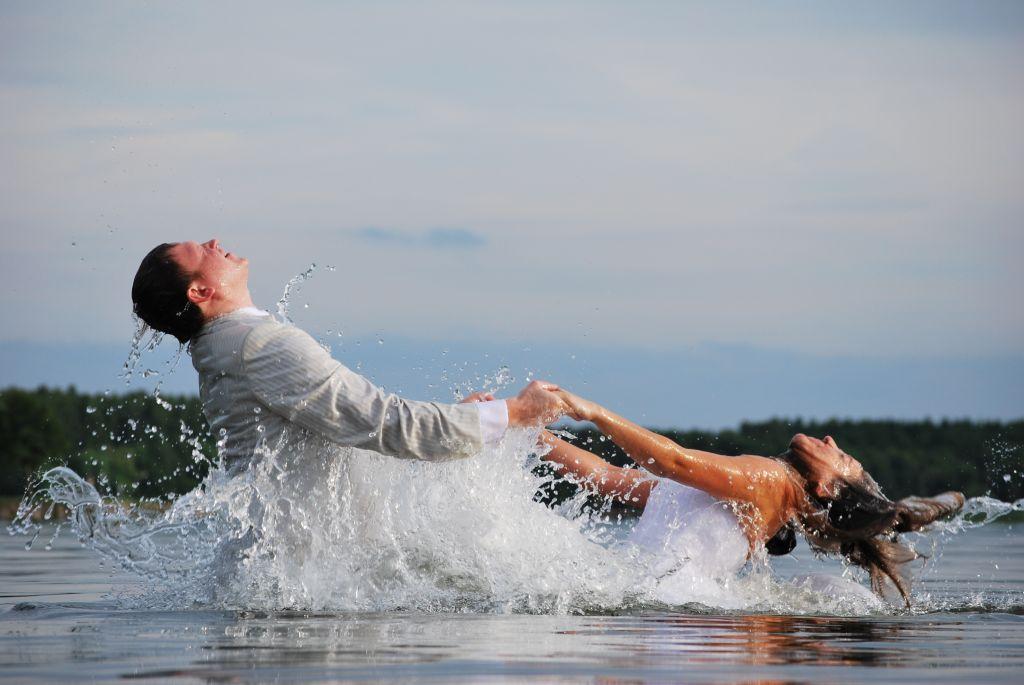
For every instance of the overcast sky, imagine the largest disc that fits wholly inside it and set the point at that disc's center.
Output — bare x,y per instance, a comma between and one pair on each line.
831,180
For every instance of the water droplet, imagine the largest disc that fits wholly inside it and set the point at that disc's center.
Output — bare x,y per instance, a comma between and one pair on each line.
373,434
90,410
1006,477
289,289
380,341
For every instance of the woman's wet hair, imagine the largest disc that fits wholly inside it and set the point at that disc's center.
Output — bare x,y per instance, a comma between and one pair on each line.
160,295
861,524
783,542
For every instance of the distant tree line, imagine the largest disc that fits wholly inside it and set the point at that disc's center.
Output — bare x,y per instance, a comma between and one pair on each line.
141,445
146,446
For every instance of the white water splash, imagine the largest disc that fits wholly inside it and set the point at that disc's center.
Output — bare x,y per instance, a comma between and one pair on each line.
145,339
290,288
353,530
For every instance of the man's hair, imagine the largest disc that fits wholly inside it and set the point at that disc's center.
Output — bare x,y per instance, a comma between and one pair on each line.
160,295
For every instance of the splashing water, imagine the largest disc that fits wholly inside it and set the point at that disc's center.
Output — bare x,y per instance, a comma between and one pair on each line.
290,288
146,339
139,344
353,530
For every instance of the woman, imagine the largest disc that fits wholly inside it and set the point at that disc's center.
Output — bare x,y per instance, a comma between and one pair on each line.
813,487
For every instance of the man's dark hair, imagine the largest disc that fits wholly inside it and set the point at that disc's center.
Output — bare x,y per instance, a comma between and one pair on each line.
160,295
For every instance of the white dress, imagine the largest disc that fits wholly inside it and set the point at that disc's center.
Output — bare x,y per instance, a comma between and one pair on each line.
694,549
683,528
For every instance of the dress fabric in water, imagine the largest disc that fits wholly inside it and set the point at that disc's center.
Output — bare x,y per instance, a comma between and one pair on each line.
692,546
685,527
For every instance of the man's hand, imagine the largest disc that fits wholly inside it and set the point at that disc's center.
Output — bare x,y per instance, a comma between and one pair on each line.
481,396
536,405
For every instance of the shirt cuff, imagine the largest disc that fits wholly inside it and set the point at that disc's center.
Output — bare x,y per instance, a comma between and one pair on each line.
493,420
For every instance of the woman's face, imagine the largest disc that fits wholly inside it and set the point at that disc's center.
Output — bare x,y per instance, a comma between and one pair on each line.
824,465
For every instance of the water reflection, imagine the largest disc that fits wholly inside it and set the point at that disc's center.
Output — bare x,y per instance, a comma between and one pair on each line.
622,642
56,626
767,639
648,647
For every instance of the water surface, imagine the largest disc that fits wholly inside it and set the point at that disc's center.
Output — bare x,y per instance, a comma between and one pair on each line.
64,618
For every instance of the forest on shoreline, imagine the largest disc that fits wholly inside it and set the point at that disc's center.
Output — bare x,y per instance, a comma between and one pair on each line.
151,446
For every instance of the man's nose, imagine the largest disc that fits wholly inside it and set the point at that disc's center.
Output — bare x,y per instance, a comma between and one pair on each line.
212,243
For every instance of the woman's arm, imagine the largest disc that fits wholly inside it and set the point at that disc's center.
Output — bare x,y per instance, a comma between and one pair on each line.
746,478
628,486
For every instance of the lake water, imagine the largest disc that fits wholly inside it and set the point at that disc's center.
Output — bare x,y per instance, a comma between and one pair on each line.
63,618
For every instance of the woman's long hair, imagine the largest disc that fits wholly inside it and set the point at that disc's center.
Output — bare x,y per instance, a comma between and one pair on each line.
862,525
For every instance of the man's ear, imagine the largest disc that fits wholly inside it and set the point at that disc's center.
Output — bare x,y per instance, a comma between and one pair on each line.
199,293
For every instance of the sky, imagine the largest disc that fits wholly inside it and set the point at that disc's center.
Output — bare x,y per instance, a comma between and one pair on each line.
698,213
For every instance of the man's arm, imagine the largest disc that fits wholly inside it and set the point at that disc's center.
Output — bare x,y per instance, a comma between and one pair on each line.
535,405
296,378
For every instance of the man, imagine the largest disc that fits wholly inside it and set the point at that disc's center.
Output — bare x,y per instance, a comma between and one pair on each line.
259,377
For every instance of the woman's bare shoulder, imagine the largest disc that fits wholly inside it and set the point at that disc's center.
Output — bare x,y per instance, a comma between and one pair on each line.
768,467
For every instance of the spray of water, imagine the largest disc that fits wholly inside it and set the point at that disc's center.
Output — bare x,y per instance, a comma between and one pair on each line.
290,288
353,530
145,339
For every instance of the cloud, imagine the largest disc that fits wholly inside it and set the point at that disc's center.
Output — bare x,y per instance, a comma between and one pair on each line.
793,178
435,238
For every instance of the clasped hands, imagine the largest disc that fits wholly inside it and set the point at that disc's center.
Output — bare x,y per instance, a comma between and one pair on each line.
541,403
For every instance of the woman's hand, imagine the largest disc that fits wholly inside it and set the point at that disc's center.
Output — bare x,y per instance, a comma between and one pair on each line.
579,408
481,396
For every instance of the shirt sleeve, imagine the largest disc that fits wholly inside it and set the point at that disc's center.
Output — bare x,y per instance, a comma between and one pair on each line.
297,379
493,420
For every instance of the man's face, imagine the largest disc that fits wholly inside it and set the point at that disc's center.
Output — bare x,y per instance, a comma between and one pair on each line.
211,266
